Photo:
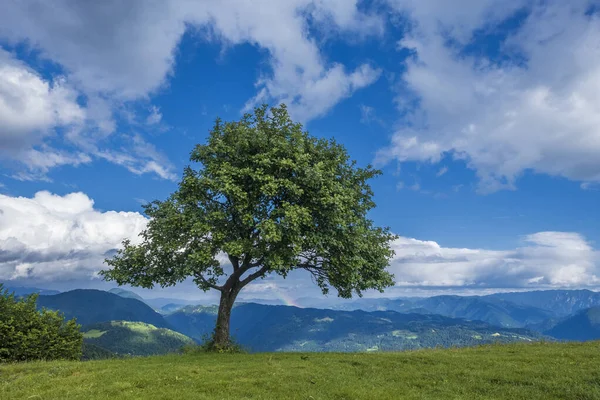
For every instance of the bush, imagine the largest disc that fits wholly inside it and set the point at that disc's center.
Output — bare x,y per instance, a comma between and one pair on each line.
28,334
208,345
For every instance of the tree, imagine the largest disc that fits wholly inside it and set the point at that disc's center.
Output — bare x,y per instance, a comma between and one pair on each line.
28,334
270,198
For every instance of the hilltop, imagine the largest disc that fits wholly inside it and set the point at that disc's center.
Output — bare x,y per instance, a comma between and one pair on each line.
517,372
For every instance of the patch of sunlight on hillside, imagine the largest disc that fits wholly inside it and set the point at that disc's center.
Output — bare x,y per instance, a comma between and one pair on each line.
405,334
93,333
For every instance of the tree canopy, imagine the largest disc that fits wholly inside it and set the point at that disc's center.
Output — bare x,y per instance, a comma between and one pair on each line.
269,198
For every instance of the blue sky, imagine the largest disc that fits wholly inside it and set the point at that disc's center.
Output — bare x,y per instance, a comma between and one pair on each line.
484,117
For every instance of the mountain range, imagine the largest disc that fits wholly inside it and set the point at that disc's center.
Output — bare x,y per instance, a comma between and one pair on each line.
277,328
363,325
537,310
584,325
260,327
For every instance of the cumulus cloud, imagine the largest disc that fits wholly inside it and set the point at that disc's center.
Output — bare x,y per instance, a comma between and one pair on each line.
127,50
546,259
53,238
534,106
299,74
114,53
31,106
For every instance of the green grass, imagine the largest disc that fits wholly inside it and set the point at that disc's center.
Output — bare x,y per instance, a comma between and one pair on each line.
516,371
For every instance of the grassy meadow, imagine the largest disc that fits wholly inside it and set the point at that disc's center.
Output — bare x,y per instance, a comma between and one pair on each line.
515,371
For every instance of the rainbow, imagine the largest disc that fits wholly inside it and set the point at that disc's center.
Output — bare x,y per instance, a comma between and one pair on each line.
284,297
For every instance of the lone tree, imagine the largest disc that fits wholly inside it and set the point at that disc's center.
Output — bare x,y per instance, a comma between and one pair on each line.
271,198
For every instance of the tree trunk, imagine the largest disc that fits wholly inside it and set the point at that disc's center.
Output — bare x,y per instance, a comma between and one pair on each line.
221,338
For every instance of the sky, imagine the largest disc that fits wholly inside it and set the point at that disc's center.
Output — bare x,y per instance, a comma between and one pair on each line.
484,116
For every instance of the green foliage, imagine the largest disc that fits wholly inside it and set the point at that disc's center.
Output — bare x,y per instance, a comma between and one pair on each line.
271,197
517,372
134,338
28,334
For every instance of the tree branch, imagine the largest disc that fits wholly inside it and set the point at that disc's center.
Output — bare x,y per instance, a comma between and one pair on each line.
253,276
208,283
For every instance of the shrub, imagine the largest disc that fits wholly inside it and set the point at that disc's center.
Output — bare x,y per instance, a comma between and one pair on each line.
208,345
28,334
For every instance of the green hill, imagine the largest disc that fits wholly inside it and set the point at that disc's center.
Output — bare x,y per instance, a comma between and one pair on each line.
538,371
134,338
93,306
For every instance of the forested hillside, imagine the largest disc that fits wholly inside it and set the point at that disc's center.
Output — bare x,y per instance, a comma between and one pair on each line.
282,328
134,338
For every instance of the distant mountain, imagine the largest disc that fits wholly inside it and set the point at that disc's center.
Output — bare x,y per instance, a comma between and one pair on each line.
126,293
282,328
93,306
24,291
194,321
584,325
159,302
134,338
491,310
170,308
560,303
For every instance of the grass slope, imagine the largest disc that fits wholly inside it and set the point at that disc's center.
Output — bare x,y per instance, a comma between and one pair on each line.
515,371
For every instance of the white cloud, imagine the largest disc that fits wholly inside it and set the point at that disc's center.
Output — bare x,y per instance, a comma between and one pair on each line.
51,237
40,162
546,259
115,53
142,157
154,117
538,109
30,106
300,76
127,50
442,171
123,49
